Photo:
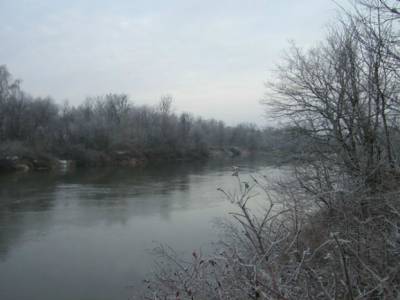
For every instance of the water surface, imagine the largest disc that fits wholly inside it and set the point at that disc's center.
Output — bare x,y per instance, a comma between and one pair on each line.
85,234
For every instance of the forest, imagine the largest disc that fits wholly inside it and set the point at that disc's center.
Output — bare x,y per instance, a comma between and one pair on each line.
110,129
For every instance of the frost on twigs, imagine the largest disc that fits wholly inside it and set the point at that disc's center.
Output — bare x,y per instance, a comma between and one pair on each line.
289,251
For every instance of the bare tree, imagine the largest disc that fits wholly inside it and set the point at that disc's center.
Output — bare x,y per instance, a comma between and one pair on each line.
344,95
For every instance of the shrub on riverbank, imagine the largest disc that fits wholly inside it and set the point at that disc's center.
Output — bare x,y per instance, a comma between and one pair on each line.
17,156
292,250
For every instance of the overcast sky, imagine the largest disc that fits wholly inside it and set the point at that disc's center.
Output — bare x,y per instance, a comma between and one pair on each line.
212,56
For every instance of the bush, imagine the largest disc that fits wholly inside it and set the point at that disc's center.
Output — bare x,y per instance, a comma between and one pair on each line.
292,250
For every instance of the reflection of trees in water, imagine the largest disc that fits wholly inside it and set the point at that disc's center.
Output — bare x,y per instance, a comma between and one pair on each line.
28,201
115,195
19,195
33,202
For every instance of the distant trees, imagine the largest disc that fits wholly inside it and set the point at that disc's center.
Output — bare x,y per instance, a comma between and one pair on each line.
104,125
10,100
23,118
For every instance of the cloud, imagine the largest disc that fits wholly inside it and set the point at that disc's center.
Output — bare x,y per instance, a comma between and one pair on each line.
209,54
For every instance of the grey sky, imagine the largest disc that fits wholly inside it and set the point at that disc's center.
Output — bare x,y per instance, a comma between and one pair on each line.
213,57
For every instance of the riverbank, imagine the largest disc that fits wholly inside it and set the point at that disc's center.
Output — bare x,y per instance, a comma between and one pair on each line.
26,160
342,245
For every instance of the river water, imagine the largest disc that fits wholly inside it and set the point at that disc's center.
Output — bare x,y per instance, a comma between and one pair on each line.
86,234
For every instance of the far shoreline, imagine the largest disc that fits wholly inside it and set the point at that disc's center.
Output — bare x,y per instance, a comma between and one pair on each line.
126,159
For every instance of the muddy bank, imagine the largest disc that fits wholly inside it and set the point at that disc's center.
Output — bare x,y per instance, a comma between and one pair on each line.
123,158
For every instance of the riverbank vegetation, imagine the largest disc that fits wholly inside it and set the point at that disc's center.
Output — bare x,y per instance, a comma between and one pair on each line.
331,230
111,129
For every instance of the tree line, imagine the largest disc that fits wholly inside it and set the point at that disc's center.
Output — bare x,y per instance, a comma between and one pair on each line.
104,127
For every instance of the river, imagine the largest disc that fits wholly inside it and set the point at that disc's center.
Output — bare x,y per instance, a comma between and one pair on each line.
86,234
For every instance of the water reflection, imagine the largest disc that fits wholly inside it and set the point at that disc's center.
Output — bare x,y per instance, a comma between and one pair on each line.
84,234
